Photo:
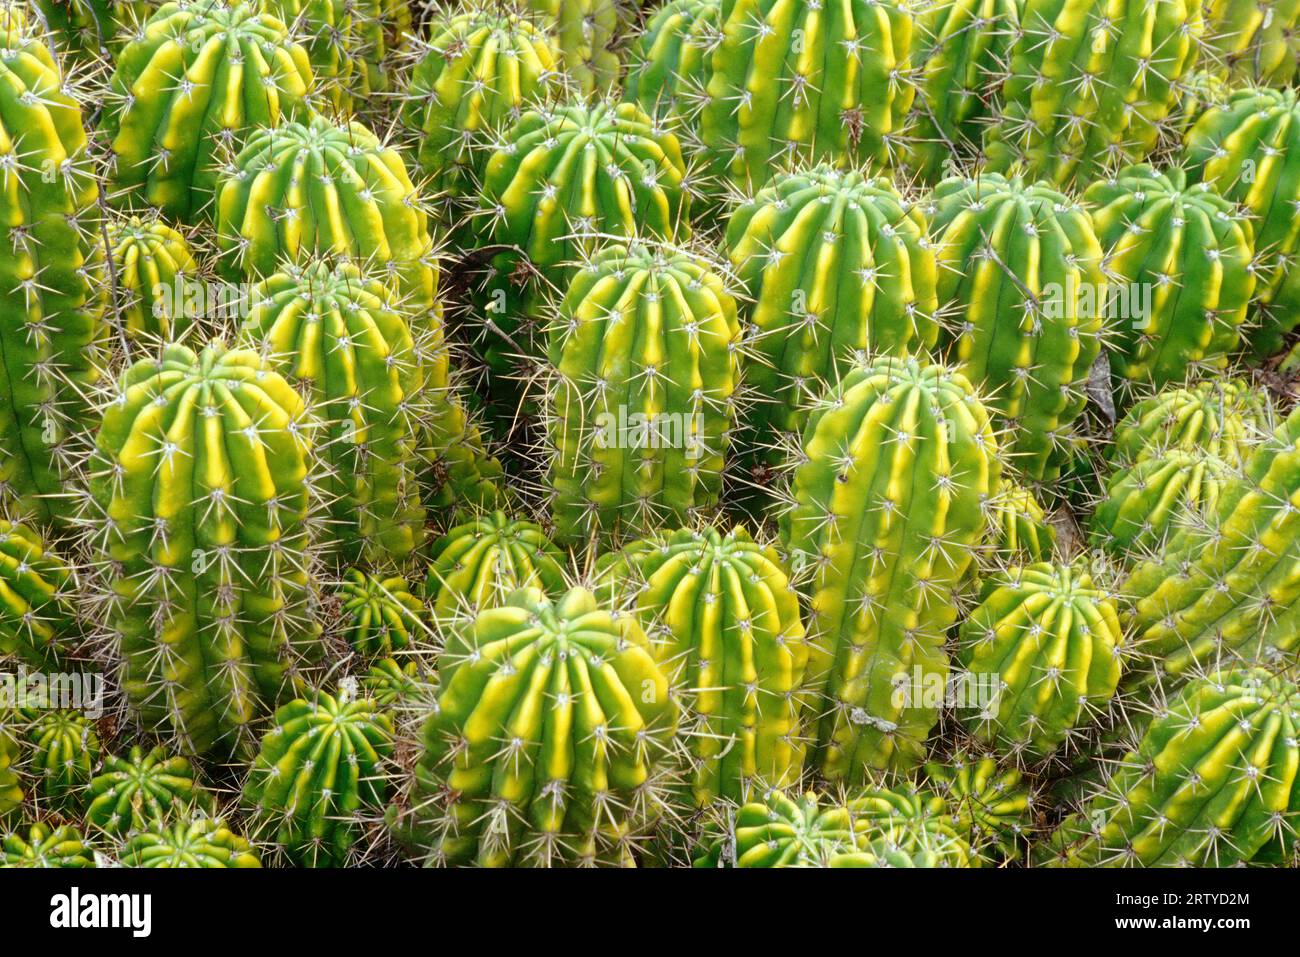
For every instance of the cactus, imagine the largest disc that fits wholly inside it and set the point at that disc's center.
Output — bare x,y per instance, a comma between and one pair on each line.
837,265
1213,779
1018,526
1020,271
342,337
887,507
36,597
991,807
547,743
1092,86
481,562
45,846
11,787
1244,149
203,488
803,81
724,621
1224,417
381,613
382,29
153,267
645,353
585,34
63,752
202,842
51,328
327,30
199,78
1185,257
1053,640
483,68
144,788
1254,41
963,54
669,61
318,770
84,29
391,685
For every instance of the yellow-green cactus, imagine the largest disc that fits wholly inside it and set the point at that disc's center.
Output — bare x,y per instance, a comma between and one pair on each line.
42,845
380,614
143,789
152,277
202,842
37,609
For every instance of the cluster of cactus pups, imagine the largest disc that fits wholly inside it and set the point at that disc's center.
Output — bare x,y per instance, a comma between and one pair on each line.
722,433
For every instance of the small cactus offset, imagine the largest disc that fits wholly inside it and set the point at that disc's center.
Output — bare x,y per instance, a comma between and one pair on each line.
1052,640
1092,85
1224,417
202,486
1214,778
63,754
11,786
991,806
37,596
1256,41
381,615
1021,282
397,687
1019,531
645,359
724,621
668,67
142,789
198,842
320,769
153,268
888,505
837,265
198,79
1182,263
807,81
42,845
478,564
549,741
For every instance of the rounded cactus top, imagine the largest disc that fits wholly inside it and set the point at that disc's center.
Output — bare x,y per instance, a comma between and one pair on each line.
1222,418
1236,131
142,789
45,846
957,195
204,842
382,613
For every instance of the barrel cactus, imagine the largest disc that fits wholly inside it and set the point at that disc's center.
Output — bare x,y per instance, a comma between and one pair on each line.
1225,417
37,612
380,613
888,504
668,67
807,81
187,91
342,337
479,563
199,842
42,845
84,29
152,274
327,30
1255,41
586,32
398,687
1053,640
1182,260
549,740
1020,275
1215,777
836,265
1019,531
645,358
724,621
51,329
319,770
63,752
1092,85
142,789
1245,149
202,488
991,806
11,787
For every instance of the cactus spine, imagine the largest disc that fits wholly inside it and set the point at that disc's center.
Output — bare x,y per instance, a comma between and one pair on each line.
1018,527
145,788
887,506
327,31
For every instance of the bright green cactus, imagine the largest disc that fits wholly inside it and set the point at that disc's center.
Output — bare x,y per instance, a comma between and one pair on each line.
202,842
1225,417
645,356
63,753
381,615
837,265
1052,641
1255,41
549,740
1021,282
1183,260
45,846
392,684
669,61
888,506
85,29
36,597
1092,85
11,787
724,621
586,32
1215,777
479,563
990,806
483,67
51,326
327,29
805,80
188,90
342,337
144,788
1248,148
963,55
1019,531
152,275
381,31
203,487
319,769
